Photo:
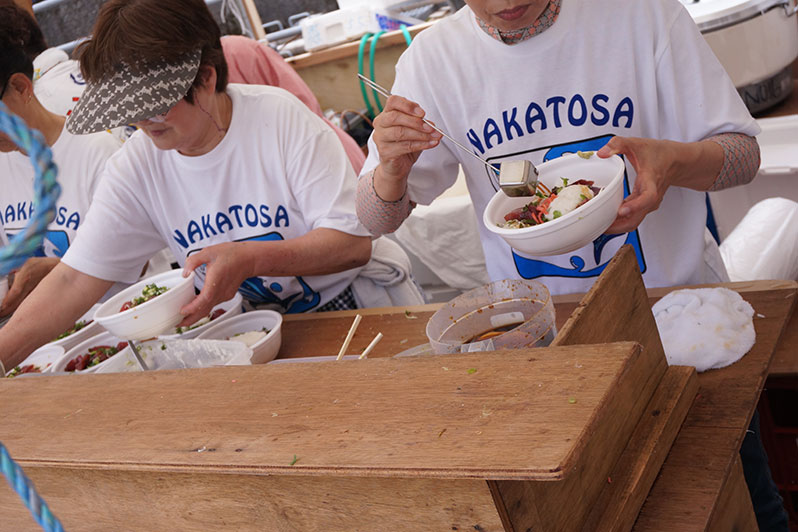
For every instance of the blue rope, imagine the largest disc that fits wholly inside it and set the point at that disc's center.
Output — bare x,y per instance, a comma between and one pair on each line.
22,246
23,486
46,191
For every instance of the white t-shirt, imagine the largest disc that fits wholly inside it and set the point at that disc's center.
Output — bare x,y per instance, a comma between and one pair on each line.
278,173
605,68
80,160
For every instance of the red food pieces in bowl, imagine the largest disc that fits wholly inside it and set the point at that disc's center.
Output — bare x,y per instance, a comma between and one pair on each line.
95,355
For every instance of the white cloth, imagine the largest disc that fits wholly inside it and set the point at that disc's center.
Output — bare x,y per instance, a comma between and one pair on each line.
606,67
278,174
58,85
444,236
57,81
80,160
764,245
706,328
386,280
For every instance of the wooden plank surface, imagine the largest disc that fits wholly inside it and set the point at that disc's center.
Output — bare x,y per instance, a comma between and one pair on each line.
692,479
734,510
141,501
604,315
520,414
703,454
630,482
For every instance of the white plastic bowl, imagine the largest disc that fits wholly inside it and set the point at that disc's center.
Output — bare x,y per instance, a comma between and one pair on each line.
104,338
44,357
266,348
153,317
575,229
92,329
231,307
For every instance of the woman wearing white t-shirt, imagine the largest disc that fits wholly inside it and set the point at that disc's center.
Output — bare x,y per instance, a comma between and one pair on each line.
244,184
536,79
80,159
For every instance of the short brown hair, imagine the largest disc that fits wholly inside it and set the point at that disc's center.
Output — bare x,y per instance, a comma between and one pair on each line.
19,27
134,31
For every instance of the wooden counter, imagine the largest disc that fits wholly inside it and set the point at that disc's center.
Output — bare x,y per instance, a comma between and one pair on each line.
232,476
701,472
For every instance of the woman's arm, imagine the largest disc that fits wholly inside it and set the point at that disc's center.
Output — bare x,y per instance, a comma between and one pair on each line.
319,252
711,164
58,301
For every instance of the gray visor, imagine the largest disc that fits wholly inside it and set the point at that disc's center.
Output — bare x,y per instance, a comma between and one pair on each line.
133,93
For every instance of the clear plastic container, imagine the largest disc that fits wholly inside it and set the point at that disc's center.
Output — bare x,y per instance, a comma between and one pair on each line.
514,313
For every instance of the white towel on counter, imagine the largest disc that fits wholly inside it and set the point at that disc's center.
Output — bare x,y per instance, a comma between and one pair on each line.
386,280
706,328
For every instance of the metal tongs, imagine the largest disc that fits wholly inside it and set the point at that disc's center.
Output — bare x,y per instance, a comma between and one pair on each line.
516,178
135,349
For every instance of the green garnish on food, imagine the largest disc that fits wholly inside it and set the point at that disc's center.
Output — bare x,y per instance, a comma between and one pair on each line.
471,371
150,291
295,460
556,214
78,326
564,182
585,154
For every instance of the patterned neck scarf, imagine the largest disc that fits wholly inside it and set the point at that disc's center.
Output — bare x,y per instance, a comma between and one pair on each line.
544,21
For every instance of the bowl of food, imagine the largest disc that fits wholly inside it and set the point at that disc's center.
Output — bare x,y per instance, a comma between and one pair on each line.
91,354
222,311
83,329
259,329
40,361
149,307
508,314
578,200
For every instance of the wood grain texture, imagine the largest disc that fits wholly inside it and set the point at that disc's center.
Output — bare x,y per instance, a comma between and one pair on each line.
633,475
498,415
692,479
734,510
605,314
103,501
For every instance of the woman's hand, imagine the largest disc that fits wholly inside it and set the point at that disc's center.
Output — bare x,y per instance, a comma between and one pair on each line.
400,135
25,280
660,164
226,267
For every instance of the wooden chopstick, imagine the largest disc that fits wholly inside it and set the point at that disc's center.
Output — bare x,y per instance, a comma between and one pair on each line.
349,336
371,346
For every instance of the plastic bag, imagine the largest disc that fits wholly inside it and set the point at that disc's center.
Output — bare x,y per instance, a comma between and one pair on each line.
764,245
181,354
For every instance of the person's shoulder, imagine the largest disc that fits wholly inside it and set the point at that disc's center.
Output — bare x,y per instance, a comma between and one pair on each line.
100,144
266,99
236,43
441,32
663,11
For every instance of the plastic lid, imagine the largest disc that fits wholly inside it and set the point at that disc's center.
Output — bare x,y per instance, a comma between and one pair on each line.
715,14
